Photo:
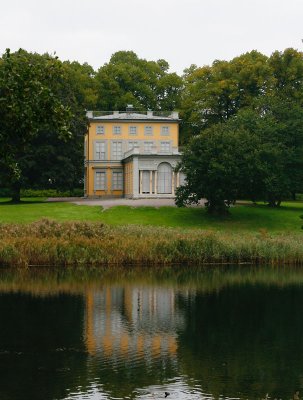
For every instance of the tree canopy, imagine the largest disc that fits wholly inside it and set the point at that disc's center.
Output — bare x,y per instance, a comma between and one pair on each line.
28,104
241,120
127,79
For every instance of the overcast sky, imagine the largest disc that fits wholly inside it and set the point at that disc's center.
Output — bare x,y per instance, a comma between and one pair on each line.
183,32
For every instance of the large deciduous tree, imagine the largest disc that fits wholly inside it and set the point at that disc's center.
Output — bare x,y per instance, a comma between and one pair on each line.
218,164
27,106
128,79
213,94
257,154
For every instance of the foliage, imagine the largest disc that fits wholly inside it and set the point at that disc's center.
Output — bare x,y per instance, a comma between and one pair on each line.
127,79
28,104
50,193
219,164
212,94
255,96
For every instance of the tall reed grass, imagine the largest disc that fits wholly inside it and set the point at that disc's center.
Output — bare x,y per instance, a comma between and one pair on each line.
54,243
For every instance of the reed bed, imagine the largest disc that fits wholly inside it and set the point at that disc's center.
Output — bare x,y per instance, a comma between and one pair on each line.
51,243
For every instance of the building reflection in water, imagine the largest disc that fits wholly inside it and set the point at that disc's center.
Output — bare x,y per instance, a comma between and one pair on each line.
132,322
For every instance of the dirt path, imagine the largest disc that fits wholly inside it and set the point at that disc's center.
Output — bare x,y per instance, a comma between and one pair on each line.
107,203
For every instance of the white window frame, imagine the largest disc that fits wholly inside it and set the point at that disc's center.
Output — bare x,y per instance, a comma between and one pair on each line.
100,129
132,144
132,130
117,180
117,155
148,147
165,147
100,180
165,131
117,129
100,154
148,130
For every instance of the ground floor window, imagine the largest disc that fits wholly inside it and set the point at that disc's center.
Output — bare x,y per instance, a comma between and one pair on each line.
100,180
117,183
164,178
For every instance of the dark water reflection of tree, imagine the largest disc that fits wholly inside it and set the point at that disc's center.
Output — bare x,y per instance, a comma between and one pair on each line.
241,335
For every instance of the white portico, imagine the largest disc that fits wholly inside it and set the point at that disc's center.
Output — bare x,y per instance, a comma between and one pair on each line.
151,175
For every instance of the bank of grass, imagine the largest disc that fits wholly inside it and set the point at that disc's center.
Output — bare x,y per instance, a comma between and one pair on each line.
52,243
242,218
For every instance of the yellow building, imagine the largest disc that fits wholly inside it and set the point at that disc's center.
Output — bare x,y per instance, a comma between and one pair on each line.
131,154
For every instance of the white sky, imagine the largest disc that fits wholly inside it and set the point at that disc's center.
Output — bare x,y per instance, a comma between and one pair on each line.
183,32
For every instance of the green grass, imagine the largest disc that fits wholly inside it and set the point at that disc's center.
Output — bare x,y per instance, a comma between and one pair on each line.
241,218
30,210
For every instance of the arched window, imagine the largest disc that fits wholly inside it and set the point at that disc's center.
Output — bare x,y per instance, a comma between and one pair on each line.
164,178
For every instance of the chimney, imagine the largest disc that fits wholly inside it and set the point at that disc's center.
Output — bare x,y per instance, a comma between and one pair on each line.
89,114
129,108
174,115
116,113
149,114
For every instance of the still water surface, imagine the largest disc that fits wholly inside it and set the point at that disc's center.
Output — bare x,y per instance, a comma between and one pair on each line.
233,333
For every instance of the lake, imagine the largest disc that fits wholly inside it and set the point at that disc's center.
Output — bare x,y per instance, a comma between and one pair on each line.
195,333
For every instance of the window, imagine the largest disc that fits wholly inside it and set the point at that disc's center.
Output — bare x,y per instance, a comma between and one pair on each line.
164,130
148,146
99,180
131,145
132,130
164,178
100,129
165,147
148,130
117,150
117,183
116,130
100,151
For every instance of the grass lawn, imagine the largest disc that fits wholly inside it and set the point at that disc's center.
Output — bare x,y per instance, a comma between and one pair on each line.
241,218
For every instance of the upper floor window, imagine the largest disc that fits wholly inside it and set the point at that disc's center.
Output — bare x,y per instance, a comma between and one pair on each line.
100,129
148,130
165,130
165,147
117,150
116,130
132,130
148,146
131,145
100,151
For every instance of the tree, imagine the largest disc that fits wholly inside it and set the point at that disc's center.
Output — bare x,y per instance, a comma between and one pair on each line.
219,164
27,105
278,123
127,79
213,94
63,159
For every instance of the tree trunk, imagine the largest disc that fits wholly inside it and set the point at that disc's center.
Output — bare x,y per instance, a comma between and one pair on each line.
16,188
217,207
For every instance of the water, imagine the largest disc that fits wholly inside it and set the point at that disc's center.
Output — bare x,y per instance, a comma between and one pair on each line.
232,333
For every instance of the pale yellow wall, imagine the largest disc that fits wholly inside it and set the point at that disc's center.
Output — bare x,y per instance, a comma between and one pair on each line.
109,135
90,182
91,136
128,178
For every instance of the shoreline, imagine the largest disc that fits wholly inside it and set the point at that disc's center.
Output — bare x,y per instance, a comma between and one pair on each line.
48,243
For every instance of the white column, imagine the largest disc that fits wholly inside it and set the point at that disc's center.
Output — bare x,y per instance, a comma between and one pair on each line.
150,182
135,177
156,181
140,176
178,179
173,183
